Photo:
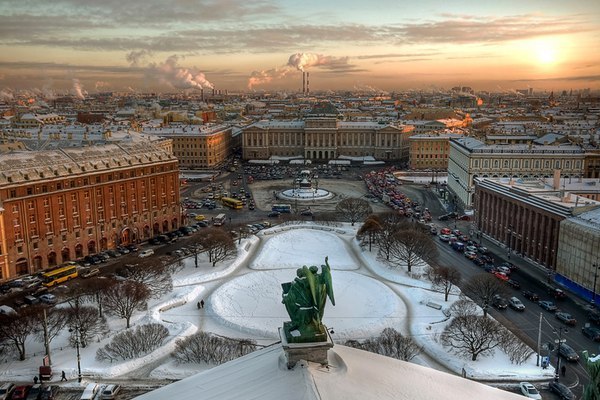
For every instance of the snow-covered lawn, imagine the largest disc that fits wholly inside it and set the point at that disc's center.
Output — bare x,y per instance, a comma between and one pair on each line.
243,299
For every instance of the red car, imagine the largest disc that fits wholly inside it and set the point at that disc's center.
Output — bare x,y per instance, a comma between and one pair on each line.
502,276
20,393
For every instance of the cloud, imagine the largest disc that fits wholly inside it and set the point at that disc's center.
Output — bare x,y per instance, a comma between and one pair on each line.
135,57
172,74
484,29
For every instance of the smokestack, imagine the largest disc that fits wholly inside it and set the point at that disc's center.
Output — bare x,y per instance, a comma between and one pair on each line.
213,93
201,94
556,179
307,90
303,82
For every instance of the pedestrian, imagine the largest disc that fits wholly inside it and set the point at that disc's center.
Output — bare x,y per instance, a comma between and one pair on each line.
563,370
198,305
35,380
63,376
201,303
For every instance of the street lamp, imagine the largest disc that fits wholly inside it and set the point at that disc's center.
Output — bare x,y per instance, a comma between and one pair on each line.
76,330
596,267
560,340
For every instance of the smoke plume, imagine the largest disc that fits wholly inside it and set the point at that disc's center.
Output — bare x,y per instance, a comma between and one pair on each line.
296,62
6,94
135,57
178,77
78,88
301,61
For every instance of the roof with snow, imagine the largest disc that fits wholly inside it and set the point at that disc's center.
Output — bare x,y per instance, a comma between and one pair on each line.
351,374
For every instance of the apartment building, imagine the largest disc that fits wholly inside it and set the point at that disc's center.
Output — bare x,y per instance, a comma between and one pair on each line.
61,205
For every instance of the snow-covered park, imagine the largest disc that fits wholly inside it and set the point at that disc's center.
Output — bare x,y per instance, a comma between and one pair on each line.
242,299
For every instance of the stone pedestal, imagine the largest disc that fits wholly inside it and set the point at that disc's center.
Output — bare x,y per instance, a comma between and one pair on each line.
313,351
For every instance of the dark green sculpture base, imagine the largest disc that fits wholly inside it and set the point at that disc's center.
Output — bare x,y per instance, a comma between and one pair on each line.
306,334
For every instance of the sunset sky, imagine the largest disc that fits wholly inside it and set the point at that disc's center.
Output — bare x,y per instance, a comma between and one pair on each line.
79,46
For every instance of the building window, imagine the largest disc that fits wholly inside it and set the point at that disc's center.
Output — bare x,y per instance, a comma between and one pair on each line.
20,249
50,241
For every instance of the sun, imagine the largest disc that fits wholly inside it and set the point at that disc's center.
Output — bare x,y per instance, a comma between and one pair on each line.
546,52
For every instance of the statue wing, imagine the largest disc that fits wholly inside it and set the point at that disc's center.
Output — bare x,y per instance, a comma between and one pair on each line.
326,274
312,285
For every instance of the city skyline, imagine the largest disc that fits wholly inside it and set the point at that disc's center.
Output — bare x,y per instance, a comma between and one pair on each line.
81,47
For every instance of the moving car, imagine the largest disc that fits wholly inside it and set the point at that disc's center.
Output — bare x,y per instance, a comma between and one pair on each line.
568,352
88,273
563,392
499,302
547,305
529,391
566,318
529,295
591,332
516,304
273,214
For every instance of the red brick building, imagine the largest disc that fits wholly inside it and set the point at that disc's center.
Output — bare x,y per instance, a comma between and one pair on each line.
62,205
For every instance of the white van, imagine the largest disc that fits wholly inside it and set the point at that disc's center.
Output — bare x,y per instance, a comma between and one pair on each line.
89,393
146,253
7,310
110,391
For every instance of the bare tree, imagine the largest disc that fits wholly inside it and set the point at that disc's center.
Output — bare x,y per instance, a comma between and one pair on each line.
56,321
133,343
353,209
124,298
444,278
517,351
371,228
412,246
205,347
391,223
463,307
16,328
482,288
218,244
156,277
390,343
473,335
85,323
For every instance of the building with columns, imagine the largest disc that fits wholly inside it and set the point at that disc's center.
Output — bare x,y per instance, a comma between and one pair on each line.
527,216
470,158
61,205
322,136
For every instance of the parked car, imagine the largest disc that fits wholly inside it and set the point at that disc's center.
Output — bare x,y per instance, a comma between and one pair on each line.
568,352
591,332
35,392
132,248
110,392
146,253
89,272
566,318
48,298
561,390
594,317
6,390
20,392
516,304
499,302
529,391
547,305
49,392
89,393
529,295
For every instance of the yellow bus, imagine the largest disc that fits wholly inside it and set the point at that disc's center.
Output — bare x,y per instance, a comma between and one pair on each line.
232,203
60,274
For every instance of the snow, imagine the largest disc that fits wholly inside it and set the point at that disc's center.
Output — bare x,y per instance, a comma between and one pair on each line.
243,299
